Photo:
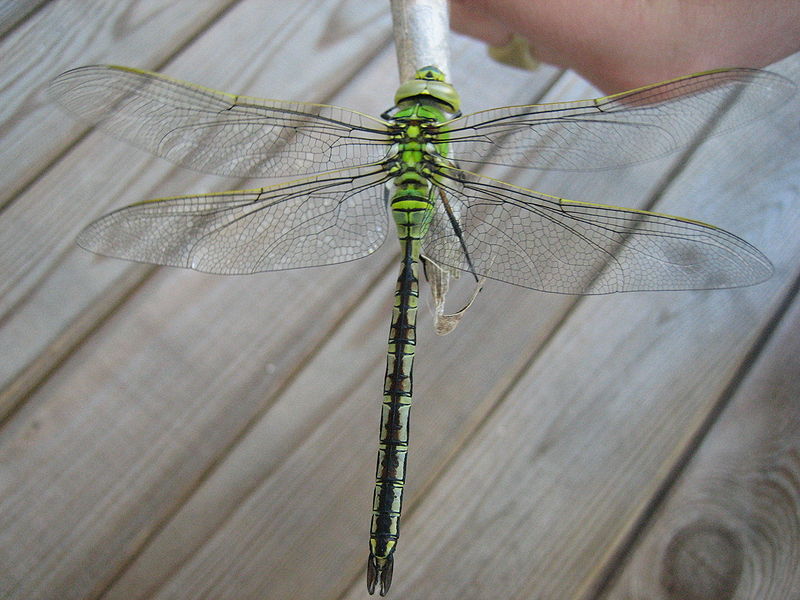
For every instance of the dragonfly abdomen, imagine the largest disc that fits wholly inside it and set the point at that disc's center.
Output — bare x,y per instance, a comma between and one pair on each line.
412,208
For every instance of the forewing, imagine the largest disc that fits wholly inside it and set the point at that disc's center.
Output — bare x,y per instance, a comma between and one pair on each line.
215,132
617,130
554,245
324,220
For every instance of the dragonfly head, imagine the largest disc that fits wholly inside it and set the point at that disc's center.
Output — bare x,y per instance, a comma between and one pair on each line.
429,83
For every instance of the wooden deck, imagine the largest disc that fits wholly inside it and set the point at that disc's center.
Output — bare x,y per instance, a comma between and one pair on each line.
168,434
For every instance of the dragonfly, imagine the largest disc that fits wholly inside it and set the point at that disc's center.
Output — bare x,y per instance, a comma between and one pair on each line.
418,163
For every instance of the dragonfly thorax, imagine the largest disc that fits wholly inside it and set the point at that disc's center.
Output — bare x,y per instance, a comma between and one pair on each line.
418,142
412,159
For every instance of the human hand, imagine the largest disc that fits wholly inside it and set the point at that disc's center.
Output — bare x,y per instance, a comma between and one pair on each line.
623,44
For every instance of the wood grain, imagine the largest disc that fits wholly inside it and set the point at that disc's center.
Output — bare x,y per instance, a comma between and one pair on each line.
177,435
62,35
731,525
45,281
13,13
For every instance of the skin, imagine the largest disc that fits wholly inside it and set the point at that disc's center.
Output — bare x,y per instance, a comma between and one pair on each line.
623,44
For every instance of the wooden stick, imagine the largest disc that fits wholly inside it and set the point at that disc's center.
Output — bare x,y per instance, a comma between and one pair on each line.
421,30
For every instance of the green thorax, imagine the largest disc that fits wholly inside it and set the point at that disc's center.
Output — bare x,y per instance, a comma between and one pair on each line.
423,104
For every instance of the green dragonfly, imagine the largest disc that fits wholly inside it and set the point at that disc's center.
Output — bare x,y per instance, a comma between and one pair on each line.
415,163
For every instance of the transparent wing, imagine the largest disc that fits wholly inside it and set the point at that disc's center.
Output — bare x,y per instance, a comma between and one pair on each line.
324,220
554,245
617,130
219,133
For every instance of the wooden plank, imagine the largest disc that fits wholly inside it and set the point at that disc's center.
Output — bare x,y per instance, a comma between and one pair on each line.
346,375
97,399
555,480
45,282
158,465
13,13
52,287
122,435
729,528
279,542
63,35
